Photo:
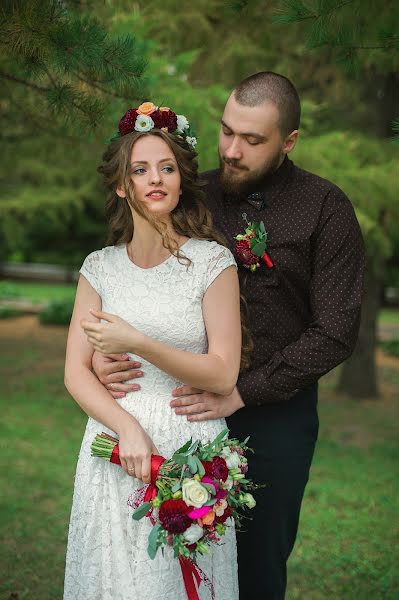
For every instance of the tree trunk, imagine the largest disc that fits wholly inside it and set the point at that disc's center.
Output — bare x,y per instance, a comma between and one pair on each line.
358,377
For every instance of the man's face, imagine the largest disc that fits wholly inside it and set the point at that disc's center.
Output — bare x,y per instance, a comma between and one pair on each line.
250,145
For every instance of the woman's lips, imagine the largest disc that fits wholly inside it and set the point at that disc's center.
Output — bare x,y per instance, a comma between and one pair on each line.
156,195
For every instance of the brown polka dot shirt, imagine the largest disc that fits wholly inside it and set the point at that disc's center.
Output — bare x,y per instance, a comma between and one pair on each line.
305,311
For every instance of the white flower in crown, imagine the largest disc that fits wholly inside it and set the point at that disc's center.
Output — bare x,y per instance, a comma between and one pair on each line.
192,141
182,123
144,123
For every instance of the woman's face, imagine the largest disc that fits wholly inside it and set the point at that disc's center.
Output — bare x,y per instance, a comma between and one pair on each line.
155,175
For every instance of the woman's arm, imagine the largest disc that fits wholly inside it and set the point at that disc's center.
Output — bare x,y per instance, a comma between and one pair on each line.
216,371
93,398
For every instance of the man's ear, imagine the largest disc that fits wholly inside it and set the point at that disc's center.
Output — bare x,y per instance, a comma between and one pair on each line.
290,141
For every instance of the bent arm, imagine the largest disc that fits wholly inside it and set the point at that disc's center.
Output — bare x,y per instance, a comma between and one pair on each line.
216,371
335,296
80,382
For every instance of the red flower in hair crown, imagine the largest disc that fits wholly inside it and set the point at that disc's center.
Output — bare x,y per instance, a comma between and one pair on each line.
251,247
147,116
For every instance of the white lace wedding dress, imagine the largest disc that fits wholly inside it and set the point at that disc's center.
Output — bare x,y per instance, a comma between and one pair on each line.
107,551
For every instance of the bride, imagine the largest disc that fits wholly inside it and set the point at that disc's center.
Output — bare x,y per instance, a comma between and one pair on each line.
165,292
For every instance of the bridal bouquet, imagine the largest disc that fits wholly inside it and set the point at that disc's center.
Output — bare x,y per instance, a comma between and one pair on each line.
191,497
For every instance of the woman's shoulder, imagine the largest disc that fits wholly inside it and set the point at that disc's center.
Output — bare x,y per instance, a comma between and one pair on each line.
206,254
208,248
107,256
105,253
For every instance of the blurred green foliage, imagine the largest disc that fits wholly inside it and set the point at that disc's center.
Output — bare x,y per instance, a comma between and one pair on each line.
57,312
51,201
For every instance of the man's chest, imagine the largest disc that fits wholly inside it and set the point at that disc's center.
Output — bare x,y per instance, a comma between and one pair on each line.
290,234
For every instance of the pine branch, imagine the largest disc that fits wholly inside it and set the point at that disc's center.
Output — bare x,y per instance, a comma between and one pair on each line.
29,84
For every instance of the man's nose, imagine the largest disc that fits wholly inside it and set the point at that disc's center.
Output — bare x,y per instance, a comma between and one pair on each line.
234,150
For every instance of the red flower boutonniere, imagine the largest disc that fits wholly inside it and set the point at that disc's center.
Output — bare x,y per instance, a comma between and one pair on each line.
252,246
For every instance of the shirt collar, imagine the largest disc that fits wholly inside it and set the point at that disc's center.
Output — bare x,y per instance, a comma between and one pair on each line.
268,188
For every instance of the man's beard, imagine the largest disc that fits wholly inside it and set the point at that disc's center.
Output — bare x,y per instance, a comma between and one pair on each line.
246,181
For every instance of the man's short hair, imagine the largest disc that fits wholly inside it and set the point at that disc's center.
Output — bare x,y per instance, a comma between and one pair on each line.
268,86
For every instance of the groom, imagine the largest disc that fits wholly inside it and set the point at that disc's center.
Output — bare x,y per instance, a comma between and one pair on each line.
304,312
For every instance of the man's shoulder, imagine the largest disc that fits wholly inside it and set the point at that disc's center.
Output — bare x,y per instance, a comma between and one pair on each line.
318,186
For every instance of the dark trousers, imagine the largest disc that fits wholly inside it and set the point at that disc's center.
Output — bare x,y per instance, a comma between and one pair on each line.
283,437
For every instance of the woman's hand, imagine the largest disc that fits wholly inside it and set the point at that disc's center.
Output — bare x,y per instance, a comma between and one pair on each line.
135,451
113,337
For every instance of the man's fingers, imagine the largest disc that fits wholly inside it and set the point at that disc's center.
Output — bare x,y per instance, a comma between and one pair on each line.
118,357
122,387
186,390
204,416
186,401
123,376
193,409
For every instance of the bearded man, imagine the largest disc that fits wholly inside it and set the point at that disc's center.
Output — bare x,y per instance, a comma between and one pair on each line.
304,310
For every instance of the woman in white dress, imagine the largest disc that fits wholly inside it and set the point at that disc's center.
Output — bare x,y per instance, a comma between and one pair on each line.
167,295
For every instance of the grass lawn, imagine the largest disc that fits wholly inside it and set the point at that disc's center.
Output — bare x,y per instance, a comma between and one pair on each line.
350,520
36,292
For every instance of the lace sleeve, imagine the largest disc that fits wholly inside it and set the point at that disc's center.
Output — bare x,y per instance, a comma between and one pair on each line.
91,270
220,258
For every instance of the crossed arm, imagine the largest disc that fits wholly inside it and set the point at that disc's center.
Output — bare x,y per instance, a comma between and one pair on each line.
216,371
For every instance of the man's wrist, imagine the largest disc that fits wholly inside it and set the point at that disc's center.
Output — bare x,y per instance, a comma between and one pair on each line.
239,403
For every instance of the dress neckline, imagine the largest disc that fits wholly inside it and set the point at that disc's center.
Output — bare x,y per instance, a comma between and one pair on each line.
161,264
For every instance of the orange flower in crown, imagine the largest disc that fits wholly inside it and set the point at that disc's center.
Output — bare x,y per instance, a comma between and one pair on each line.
147,108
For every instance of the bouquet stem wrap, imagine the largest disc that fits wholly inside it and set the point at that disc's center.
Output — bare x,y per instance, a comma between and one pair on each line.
106,446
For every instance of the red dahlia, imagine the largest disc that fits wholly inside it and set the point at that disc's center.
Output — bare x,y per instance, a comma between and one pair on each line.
128,121
217,468
169,120
244,253
173,516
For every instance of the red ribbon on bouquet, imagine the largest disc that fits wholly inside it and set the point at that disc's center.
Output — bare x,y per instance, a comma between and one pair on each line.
156,462
193,575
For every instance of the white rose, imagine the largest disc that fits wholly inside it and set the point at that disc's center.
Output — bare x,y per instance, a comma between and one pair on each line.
233,461
144,123
193,533
182,123
194,494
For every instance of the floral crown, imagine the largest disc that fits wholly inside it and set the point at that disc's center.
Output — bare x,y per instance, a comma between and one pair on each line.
147,116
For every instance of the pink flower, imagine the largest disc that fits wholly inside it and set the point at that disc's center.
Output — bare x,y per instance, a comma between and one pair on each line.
207,479
198,513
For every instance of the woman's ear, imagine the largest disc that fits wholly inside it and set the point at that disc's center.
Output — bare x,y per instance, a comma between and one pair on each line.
120,192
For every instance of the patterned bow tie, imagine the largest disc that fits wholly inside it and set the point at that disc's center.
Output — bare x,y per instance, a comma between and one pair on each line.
258,200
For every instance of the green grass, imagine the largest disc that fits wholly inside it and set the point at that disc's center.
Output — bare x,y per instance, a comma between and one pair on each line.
389,316
349,525
37,293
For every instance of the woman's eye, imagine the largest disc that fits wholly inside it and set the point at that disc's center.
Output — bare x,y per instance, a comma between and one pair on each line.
168,169
138,171
227,132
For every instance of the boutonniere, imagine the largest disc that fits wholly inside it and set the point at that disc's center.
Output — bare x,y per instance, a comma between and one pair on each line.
251,247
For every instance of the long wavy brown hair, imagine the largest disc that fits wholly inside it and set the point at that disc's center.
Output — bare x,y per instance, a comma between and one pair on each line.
189,218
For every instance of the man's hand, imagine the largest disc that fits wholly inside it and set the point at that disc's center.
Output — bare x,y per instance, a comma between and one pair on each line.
114,370
204,406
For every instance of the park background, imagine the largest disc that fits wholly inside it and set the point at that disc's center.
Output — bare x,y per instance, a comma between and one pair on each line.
68,71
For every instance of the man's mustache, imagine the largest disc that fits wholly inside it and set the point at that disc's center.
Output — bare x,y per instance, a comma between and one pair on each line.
234,163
